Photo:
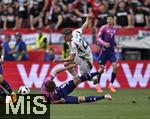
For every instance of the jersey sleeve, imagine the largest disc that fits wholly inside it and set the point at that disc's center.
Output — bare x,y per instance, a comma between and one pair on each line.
73,48
99,36
77,32
101,31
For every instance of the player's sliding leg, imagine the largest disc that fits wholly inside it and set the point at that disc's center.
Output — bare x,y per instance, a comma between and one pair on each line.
89,99
102,62
85,77
69,86
96,80
54,73
113,76
85,99
6,85
71,70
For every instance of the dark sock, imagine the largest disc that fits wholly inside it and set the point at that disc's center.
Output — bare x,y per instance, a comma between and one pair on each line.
113,76
6,86
88,77
2,92
93,98
94,74
85,77
99,77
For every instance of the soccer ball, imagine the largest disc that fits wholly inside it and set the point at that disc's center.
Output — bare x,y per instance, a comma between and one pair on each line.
24,90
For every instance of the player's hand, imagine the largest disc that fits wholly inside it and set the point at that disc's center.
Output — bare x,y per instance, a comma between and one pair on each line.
107,45
62,100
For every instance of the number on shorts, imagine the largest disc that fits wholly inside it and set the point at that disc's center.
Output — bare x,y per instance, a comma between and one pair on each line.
63,85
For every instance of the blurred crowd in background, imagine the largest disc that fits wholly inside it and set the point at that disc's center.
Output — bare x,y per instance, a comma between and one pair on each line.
58,14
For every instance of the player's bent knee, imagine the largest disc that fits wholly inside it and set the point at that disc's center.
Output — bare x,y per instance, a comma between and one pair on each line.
81,99
66,64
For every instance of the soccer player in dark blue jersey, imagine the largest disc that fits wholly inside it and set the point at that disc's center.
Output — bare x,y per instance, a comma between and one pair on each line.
60,95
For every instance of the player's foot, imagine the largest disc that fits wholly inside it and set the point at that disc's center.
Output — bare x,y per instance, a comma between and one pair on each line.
8,99
14,97
108,96
98,89
111,88
96,80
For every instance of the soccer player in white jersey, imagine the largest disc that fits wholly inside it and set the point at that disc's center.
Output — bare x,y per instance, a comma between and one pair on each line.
80,52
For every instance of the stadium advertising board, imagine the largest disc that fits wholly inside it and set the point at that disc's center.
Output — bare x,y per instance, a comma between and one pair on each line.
123,34
131,74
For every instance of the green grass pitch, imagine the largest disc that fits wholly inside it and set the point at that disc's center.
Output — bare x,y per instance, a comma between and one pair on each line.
121,107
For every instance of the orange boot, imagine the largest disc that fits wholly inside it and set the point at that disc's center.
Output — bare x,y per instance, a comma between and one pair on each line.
98,88
111,88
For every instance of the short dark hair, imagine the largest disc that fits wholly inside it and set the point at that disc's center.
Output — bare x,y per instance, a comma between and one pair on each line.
67,31
18,34
50,85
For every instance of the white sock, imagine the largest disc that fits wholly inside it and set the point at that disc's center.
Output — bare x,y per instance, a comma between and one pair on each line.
73,72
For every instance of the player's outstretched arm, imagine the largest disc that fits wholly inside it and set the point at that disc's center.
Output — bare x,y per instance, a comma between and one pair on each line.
61,101
69,58
88,19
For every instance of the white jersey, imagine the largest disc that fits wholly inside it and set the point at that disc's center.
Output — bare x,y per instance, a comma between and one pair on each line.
79,46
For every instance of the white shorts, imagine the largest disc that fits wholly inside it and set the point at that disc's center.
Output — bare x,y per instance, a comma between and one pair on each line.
85,65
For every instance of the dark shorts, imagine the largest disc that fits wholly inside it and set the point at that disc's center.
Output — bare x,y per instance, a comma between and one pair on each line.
105,56
23,14
71,100
67,88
